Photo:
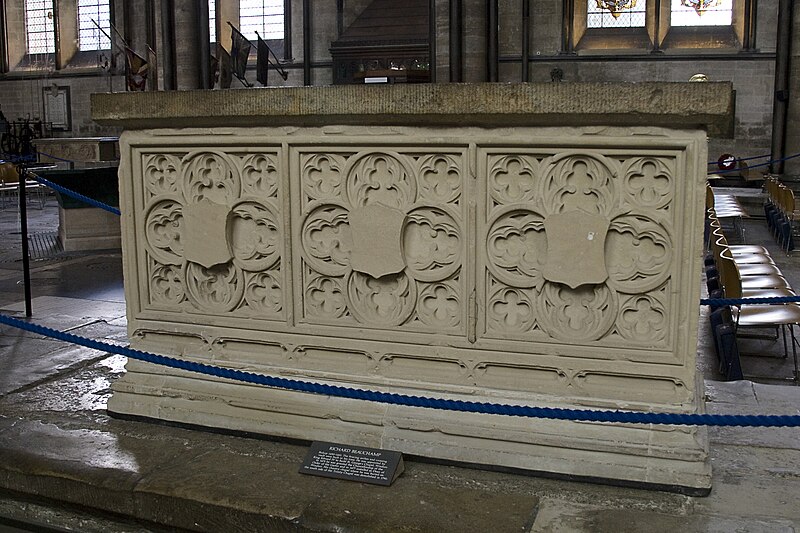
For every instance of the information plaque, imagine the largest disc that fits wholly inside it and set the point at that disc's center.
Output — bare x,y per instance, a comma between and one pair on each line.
341,461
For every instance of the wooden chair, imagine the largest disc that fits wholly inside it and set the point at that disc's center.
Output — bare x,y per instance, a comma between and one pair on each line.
778,316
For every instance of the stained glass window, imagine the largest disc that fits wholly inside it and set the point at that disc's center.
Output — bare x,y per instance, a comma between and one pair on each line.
89,36
615,13
262,16
40,26
701,13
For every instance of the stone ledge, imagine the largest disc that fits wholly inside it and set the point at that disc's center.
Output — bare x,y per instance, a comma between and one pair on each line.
708,106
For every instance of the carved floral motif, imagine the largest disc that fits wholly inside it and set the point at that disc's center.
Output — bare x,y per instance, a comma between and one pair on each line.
161,174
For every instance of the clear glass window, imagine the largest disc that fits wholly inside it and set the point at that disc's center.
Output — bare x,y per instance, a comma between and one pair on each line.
212,20
40,26
262,16
89,35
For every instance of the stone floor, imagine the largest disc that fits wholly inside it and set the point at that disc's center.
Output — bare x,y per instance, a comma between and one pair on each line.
65,465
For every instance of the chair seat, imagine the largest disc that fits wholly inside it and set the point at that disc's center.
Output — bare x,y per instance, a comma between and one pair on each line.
767,293
745,249
753,259
765,282
746,270
767,315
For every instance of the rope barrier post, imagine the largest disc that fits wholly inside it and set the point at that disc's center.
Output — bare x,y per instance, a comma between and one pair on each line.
23,227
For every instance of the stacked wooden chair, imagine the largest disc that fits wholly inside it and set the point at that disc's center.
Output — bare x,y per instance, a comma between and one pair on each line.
783,219
728,210
746,271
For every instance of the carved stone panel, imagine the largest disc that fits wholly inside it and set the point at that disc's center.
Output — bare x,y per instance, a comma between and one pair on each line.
213,232
579,247
382,239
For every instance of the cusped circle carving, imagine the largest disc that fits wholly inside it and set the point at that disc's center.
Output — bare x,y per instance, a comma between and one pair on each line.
325,298
327,240
254,235
432,243
263,292
323,176
161,174
513,178
217,289
383,302
638,254
163,231
648,182
580,182
517,246
210,175
383,178
510,310
439,178
643,319
577,315
166,285
439,305
260,175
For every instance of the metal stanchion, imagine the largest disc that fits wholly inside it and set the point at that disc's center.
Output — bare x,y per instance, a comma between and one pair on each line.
23,226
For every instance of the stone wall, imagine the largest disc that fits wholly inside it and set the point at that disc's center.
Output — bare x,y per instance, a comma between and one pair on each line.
752,74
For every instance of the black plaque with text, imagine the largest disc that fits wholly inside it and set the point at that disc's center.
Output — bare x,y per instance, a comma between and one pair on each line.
342,461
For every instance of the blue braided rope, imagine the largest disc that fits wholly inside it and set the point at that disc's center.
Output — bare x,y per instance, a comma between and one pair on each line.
552,413
718,302
73,194
56,157
18,158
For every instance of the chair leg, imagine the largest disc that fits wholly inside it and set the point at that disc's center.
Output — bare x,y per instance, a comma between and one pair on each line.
785,348
794,352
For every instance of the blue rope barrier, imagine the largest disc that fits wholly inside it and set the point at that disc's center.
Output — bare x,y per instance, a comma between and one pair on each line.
56,157
718,302
73,194
551,413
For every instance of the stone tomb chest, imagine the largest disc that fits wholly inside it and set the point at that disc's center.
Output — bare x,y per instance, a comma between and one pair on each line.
438,240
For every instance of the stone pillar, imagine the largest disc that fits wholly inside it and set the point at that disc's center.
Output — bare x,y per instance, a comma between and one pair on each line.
792,144
188,44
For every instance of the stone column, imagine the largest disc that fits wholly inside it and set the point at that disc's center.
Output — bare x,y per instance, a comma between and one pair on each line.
188,44
792,142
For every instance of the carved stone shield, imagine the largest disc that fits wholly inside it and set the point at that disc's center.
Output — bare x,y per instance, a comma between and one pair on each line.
576,248
377,232
206,233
